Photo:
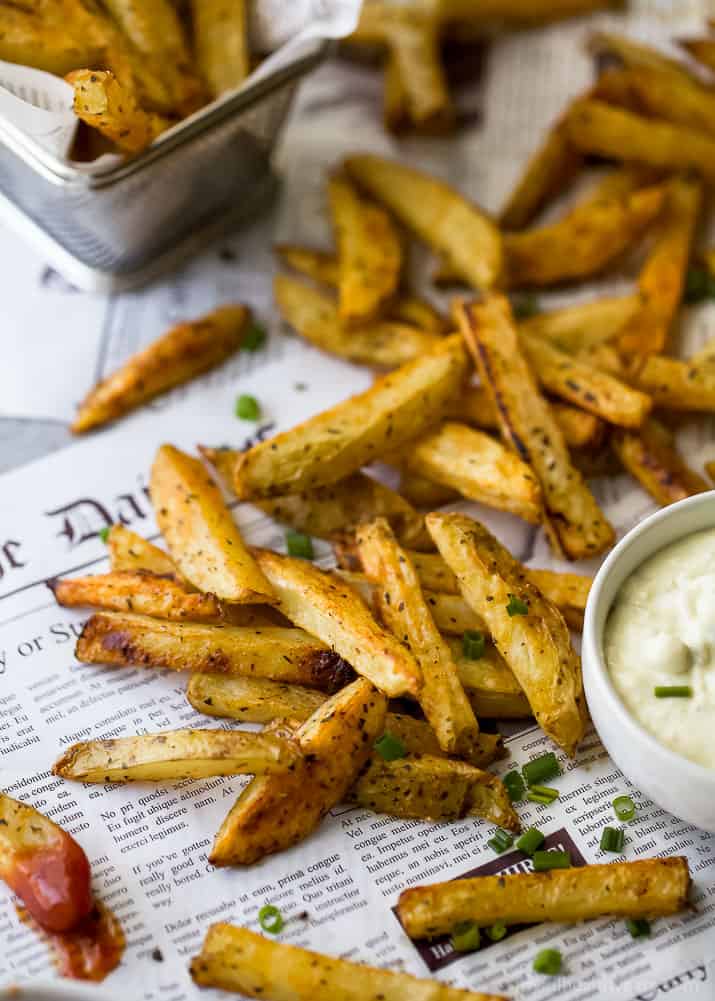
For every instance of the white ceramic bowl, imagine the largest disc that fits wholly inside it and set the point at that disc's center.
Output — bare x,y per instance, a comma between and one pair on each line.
678,785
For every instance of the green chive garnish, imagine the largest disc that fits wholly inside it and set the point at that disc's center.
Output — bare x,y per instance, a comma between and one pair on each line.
104,533
516,606
500,841
466,937
390,747
514,785
543,861
624,807
673,691
530,841
254,338
612,840
497,931
548,961
299,545
270,919
474,643
540,769
638,927
247,408
542,794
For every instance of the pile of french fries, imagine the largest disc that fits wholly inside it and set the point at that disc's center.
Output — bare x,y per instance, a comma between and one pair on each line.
137,66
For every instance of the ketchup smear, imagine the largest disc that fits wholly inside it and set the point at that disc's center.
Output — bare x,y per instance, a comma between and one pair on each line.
90,950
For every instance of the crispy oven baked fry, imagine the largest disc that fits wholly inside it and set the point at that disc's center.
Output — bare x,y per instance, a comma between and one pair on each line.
137,591
651,456
130,552
678,385
105,104
584,324
221,43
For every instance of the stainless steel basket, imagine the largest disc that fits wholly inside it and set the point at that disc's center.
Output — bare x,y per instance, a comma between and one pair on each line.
107,228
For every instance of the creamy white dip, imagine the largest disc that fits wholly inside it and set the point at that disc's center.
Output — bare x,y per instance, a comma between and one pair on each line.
661,631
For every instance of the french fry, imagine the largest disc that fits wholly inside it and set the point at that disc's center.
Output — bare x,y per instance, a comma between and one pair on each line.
330,609
202,536
583,243
276,811
239,960
478,467
433,788
651,456
490,684
105,104
404,611
221,43
585,324
577,523
395,115
379,343
283,654
171,756
678,385
336,443
441,217
528,631
27,39
137,591
132,553
645,888
424,493
597,127
585,386
184,352
418,313
702,49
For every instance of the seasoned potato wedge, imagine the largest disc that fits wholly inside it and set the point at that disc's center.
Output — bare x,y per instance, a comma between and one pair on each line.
418,313
652,457
239,960
441,217
339,441
137,591
179,355
404,611
575,520
27,39
202,536
646,888
528,631
131,552
424,493
328,607
276,811
105,104
573,328
221,43
171,756
283,654
490,684
678,385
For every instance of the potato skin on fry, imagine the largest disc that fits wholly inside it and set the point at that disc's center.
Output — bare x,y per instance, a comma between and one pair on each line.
137,591
184,352
651,456
646,888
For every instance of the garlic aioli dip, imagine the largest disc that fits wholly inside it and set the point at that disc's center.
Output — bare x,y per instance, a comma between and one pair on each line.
661,632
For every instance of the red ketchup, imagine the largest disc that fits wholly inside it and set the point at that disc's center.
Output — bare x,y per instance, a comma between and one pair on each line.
54,883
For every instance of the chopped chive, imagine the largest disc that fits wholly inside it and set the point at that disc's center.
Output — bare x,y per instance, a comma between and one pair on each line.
624,807
542,794
270,919
638,927
516,606
104,533
525,306
247,408
514,785
548,961
466,937
254,338
299,545
497,931
474,643
390,747
540,769
500,841
612,840
530,841
545,860
673,691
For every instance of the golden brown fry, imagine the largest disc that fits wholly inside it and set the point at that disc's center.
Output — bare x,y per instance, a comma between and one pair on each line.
478,467
379,343
105,104
403,610
339,441
137,591
490,684
221,43
202,536
418,313
424,493
276,811
581,244
702,49
330,609
239,960
578,525
395,115
130,552
652,457
171,756
646,888
528,631
441,217
585,386
585,324
283,654
184,352
596,127
678,385
26,38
